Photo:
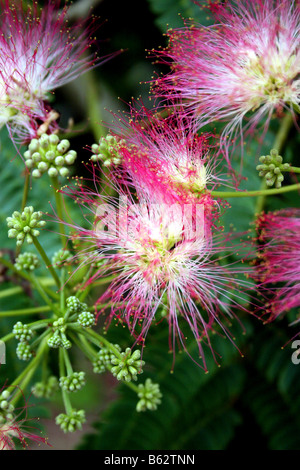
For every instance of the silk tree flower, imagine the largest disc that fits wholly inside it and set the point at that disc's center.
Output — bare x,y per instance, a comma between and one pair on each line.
167,159
279,253
39,52
163,264
246,66
14,425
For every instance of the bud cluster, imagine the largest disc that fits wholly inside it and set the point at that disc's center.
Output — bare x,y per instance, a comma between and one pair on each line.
107,151
6,408
60,258
128,366
104,359
72,421
45,389
24,225
49,154
149,395
85,318
24,334
73,382
26,262
59,338
271,168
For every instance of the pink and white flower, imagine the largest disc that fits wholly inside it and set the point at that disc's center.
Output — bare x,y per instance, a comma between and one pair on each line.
279,252
39,52
15,428
246,66
163,265
166,158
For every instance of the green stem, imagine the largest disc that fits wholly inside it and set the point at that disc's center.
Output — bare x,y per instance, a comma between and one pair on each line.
59,208
10,291
48,264
67,362
6,338
96,339
62,290
12,267
283,132
24,378
259,192
66,399
43,294
93,108
25,191
279,143
100,282
25,311
24,200
97,128
291,169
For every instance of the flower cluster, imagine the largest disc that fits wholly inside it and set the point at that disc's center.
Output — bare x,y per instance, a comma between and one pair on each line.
49,154
162,247
279,254
14,427
39,52
246,64
24,225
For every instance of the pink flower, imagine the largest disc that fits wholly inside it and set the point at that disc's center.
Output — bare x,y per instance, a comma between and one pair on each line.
280,259
165,158
163,263
247,65
39,52
14,425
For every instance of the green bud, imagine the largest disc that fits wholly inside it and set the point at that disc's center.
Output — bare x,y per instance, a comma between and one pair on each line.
128,366
45,389
150,396
24,225
22,332
72,383
271,168
27,262
71,422
48,150
86,319
60,258
23,352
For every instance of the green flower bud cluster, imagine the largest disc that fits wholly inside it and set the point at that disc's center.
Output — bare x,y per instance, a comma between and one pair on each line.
107,151
75,306
49,154
24,352
27,262
128,366
22,332
271,168
59,338
86,319
72,383
24,225
104,359
150,396
6,408
71,422
45,389
60,258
